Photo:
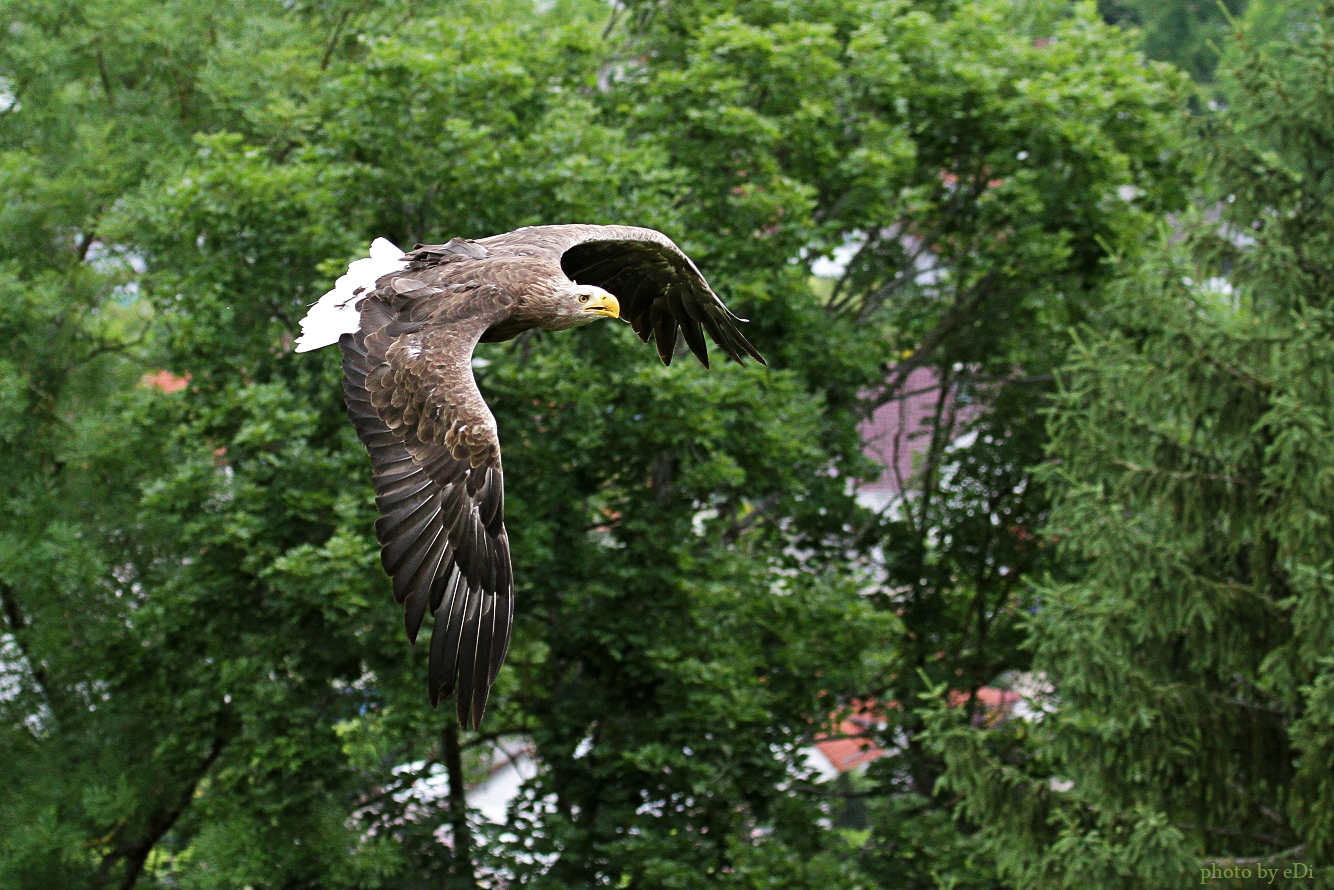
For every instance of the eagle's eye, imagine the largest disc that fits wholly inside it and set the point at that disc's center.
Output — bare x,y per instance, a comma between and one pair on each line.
583,298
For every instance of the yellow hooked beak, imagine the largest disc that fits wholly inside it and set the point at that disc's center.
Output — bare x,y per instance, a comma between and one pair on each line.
603,304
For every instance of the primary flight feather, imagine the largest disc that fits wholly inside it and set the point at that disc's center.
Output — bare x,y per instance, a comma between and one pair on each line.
407,325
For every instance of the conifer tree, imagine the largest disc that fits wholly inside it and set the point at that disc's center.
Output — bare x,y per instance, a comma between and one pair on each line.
1190,733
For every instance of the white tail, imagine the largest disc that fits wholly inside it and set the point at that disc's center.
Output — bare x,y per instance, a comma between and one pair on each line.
339,311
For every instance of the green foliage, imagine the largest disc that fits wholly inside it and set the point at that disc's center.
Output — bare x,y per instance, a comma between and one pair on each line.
1186,33
1190,653
205,682
982,159
1205,39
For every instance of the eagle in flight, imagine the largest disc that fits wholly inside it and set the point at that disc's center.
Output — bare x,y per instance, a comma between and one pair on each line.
407,325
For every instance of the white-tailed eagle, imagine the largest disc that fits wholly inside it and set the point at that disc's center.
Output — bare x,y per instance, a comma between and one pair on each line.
407,325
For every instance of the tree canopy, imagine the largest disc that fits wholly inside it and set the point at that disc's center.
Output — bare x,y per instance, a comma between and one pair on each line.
203,681
1187,648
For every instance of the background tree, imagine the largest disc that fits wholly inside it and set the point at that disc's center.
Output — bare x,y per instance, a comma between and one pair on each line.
1198,36
1190,726
923,139
205,680
1187,33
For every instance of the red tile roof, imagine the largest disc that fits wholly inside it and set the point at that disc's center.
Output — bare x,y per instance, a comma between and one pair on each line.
853,743
165,381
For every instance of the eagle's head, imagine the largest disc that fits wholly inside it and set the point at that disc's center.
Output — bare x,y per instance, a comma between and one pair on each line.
582,303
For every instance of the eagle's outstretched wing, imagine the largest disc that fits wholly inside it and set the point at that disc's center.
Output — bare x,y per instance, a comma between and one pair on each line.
408,326
660,289
435,459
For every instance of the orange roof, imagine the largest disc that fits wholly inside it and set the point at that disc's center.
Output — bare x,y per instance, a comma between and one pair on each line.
849,753
165,381
853,745
996,704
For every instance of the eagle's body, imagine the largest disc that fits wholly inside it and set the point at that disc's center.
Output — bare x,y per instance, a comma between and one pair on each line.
407,326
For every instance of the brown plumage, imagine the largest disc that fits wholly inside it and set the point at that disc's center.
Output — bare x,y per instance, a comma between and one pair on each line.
435,453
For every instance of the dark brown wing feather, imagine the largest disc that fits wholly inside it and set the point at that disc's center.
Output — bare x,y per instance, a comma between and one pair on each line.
661,292
435,455
435,460
660,289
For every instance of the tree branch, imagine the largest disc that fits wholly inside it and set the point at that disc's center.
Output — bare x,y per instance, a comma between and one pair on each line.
401,781
18,625
963,307
332,44
1290,853
102,72
462,866
616,10
135,853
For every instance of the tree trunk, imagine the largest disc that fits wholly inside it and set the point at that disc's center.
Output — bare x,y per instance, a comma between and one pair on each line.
461,873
